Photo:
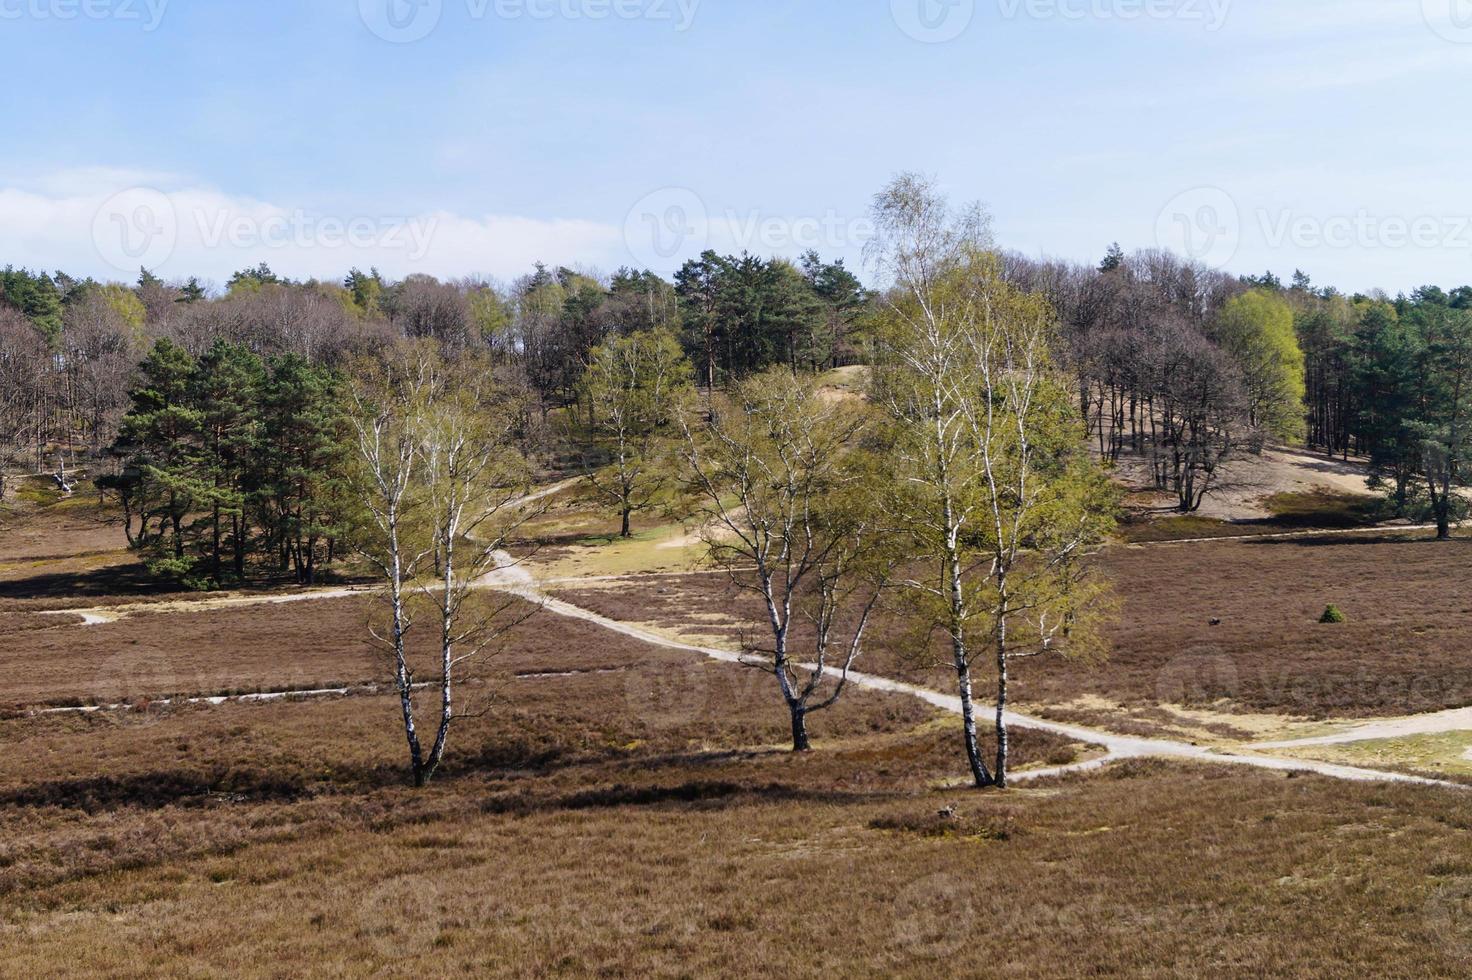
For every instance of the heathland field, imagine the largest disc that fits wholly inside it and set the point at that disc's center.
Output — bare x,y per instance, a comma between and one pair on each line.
618,806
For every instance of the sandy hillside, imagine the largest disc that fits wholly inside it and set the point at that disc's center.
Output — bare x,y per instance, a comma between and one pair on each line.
1246,483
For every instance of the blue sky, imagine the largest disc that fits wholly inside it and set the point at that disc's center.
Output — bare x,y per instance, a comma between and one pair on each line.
1322,134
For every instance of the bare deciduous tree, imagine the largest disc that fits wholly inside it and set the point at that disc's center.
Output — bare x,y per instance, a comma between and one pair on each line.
440,482
632,388
783,487
992,486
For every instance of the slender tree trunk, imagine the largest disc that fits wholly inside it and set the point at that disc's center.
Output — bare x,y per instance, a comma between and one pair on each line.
1000,776
800,741
401,662
979,773
215,546
447,651
1441,503
237,526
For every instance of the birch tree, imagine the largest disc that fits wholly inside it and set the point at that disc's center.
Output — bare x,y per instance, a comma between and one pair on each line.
992,485
783,483
440,482
632,387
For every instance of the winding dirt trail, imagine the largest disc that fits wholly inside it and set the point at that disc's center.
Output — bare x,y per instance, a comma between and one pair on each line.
1116,746
1375,530
1434,723
512,577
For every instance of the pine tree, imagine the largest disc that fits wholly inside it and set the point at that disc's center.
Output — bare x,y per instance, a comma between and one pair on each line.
160,440
226,391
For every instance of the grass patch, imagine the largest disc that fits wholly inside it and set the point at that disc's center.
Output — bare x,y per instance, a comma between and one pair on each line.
1321,510
1443,755
1141,529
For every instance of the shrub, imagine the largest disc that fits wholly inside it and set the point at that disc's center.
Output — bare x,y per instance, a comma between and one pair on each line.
1332,616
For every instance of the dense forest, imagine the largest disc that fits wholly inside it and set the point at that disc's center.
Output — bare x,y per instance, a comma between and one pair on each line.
216,417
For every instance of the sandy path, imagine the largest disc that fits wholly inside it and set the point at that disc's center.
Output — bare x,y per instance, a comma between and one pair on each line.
513,578
1116,746
1436,723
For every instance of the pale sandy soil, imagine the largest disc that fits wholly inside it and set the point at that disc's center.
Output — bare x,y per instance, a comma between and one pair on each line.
1244,484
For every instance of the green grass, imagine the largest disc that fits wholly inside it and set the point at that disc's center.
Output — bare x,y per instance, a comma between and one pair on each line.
1323,509
1317,510
1179,528
1443,754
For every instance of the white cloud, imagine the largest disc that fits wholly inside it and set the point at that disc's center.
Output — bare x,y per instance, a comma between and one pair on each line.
108,222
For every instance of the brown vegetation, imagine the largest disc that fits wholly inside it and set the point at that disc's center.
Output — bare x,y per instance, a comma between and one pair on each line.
1407,647
573,836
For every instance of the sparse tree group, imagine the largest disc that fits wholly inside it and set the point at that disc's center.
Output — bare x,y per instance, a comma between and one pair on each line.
272,428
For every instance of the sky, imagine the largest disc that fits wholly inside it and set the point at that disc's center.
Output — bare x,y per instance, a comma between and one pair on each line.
477,137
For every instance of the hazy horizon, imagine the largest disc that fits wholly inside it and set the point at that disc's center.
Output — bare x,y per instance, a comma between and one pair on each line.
606,133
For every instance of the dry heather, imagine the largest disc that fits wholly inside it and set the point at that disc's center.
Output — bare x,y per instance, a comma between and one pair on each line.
615,809
1407,646
574,836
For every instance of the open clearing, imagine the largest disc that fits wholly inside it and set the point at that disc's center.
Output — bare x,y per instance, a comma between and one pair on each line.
627,809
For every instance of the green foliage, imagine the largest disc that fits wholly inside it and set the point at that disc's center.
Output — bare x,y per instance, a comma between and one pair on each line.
1332,616
36,295
1257,329
744,314
229,459
191,292
252,280
629,395
366,290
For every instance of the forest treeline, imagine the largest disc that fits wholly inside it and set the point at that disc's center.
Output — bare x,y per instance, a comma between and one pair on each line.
1182,367
69,347
264,429
1177,367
